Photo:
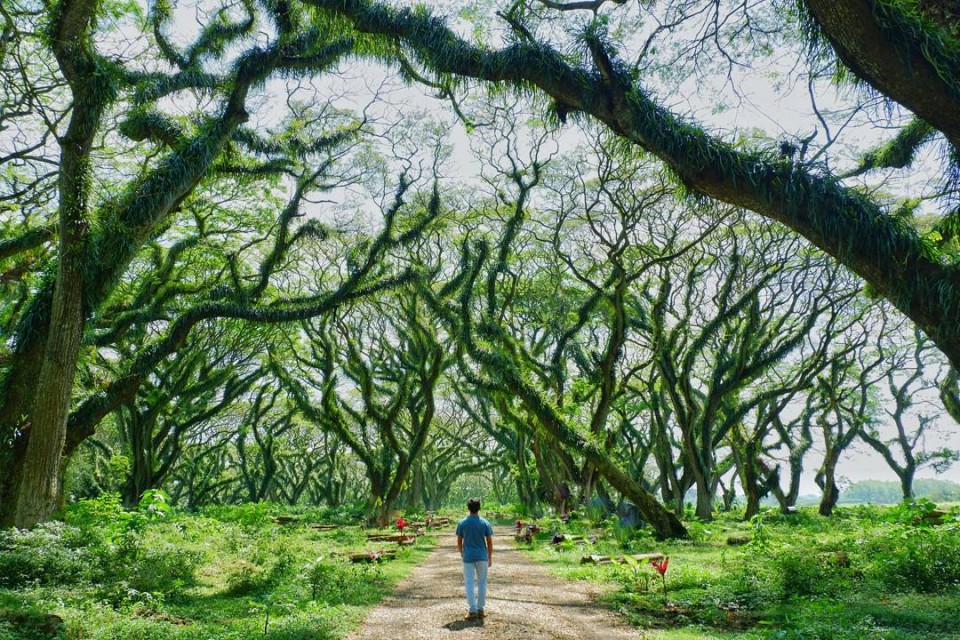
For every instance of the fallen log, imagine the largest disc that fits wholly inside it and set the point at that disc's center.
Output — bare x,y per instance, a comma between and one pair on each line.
285,519
373,556
391,537
640,557
325,527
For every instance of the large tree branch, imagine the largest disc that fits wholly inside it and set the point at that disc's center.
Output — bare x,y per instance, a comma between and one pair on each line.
894,53
842,222
26,241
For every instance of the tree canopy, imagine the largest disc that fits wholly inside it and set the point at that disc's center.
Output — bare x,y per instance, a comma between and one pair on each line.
231,244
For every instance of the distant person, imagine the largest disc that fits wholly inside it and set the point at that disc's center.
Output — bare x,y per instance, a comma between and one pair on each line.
475,544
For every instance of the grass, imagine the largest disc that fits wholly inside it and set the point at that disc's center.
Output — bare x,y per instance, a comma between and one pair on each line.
867,573
228,574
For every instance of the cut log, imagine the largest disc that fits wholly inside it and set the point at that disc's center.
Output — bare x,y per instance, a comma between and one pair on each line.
562,537
643,556
324,527
391,537
595,559
285,519
373,556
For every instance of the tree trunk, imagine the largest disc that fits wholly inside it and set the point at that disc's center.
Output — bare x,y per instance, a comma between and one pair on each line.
40,491
704,509
906,481
827,482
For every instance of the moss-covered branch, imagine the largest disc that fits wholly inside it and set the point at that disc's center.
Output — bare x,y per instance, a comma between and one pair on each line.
844,223
28,240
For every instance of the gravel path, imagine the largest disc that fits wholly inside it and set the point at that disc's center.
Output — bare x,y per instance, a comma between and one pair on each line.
524,602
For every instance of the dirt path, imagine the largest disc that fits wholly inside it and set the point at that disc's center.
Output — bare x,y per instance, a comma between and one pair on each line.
524,602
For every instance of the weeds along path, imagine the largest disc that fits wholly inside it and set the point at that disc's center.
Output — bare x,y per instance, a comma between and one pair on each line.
524,602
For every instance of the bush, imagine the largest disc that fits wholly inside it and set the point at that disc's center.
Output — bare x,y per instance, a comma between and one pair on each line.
251,515
337,582
164,568
255,576
51,553
914,553
806,572
750,584
922,560
244,578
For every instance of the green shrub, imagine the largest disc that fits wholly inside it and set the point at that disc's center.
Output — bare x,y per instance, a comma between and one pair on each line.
812,572
164,568
244,578
51,553
749,584
914,553
916,559
261,573
250,515
120,595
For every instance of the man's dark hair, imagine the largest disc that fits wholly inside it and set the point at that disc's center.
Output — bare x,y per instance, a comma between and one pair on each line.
473,505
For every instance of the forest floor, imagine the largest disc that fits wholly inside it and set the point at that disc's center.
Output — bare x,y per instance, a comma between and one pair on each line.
524,601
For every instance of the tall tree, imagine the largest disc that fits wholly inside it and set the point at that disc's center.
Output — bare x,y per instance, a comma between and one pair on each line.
911,373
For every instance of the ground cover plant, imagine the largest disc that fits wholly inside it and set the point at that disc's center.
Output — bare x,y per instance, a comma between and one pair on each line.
869,572
228,572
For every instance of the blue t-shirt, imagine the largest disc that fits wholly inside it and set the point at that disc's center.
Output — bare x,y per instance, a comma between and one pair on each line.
474,530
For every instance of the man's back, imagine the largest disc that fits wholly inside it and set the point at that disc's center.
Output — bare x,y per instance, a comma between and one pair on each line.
474,531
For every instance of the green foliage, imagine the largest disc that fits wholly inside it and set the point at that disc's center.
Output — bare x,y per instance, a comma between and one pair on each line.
805,571
249,514
52,553
339,582
915,553
867,573
192,577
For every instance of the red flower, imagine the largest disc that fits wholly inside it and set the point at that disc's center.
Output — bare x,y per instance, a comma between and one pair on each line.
661,566
401,524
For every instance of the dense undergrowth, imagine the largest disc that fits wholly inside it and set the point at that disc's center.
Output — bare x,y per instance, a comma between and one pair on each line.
868,573
154,574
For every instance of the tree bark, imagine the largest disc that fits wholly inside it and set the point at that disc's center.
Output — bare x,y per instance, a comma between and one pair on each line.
870,42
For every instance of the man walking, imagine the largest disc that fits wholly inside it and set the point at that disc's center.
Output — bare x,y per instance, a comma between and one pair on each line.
475,544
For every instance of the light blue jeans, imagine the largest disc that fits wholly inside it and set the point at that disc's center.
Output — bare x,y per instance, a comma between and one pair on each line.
475,572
